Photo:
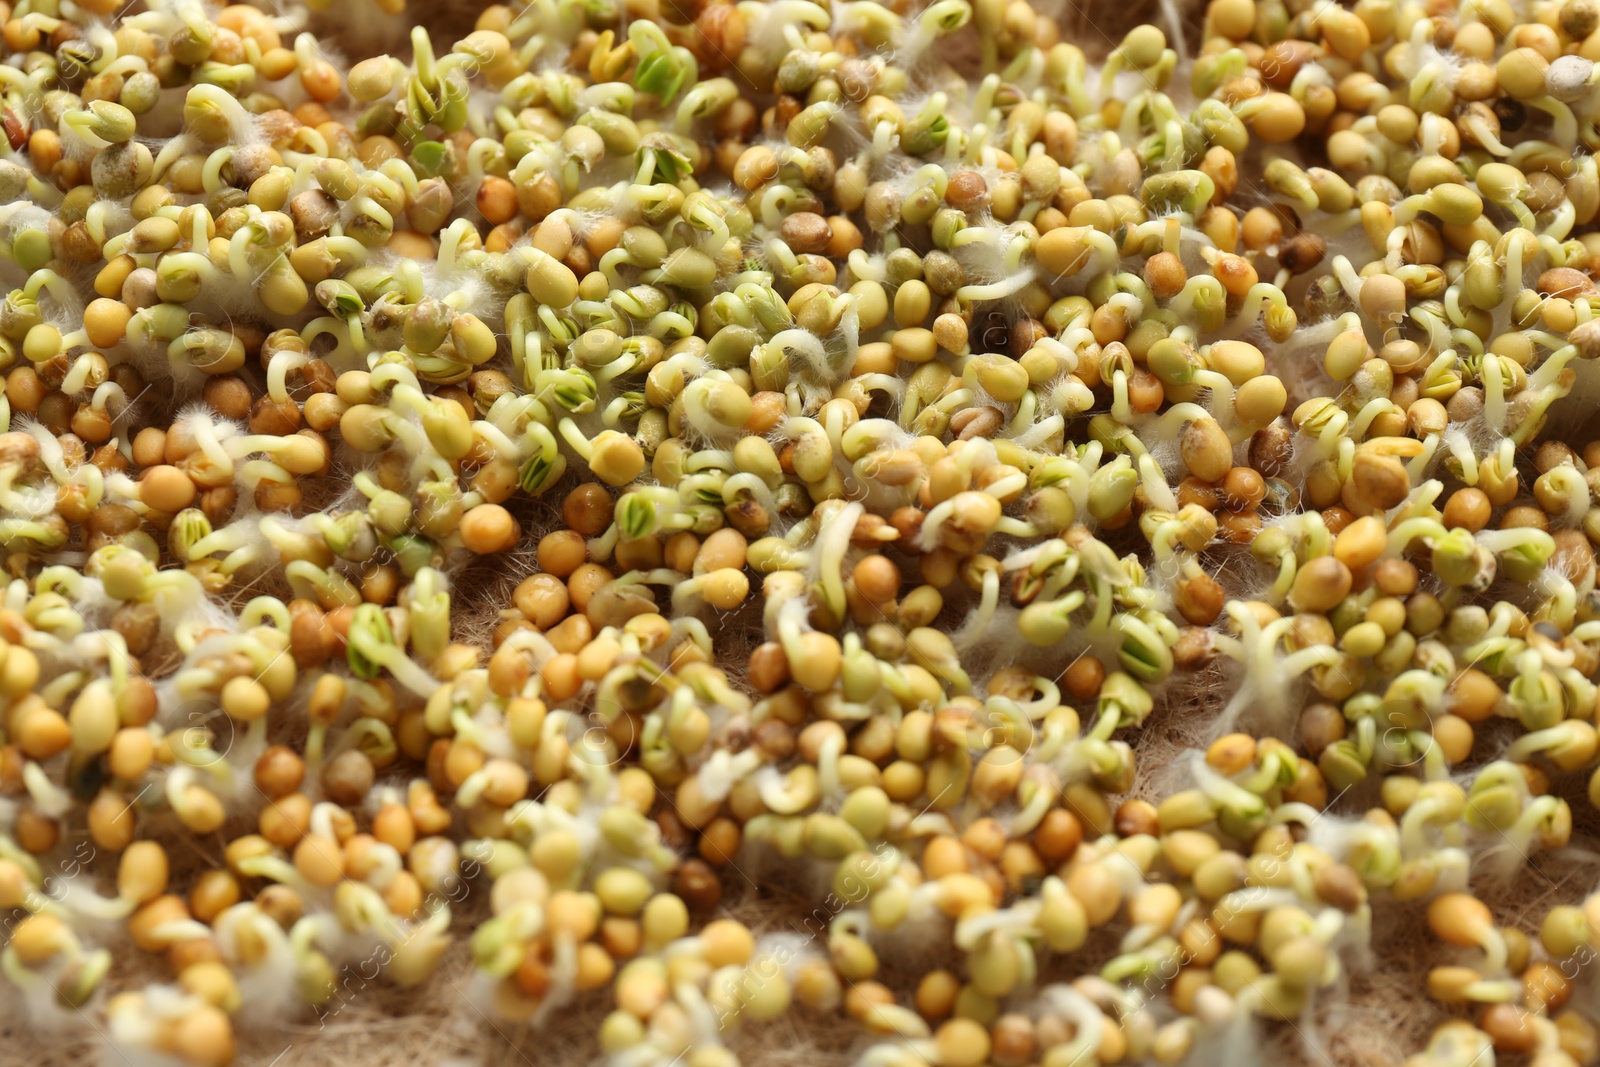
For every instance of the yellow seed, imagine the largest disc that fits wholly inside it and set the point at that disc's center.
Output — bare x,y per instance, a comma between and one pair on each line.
142,872
961,1043
1206,450
245,699
727,942
38,937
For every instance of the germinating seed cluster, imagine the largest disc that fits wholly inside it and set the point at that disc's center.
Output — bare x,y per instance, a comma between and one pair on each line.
1009,410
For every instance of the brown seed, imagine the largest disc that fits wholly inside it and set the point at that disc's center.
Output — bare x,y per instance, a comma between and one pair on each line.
1024,334
806,232
1193,491
1200,599
1339,886
1014,1040
228,395
1058,836
1194,648
251,162
967,191
699,886
1382,480
720,37
1320,726
279,771
1135,817
1579,18
1302,252
348,778
1565,282
16,130
1165,274
588,509
38,833
1243,489
1239,527
1545,988
1206,450
1511,1028
1283,60
314,212
277,419
1469,509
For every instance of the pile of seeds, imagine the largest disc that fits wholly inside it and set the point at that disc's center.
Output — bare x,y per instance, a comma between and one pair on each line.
1004,409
